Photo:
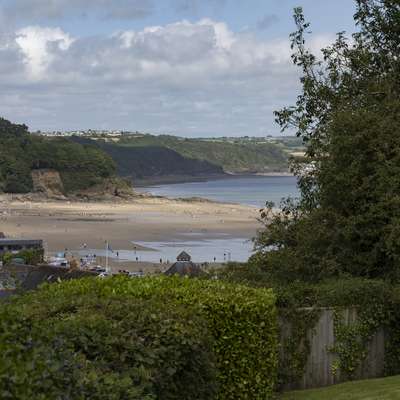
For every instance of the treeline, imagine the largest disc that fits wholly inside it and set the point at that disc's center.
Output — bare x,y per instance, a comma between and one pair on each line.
242,157
148,156
80,166
152,161
83,163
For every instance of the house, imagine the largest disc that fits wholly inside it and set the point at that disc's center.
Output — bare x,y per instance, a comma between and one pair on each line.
184,266
183,256
11,245
15,278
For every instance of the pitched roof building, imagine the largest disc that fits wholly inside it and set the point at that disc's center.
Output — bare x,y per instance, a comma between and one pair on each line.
183,256
184,266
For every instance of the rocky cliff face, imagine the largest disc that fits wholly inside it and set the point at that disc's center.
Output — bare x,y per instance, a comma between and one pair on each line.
48,182
109,189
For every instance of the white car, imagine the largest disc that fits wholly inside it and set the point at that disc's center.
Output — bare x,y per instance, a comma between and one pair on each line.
135,274
104,274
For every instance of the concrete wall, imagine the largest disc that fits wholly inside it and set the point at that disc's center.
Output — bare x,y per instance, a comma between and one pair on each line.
318,371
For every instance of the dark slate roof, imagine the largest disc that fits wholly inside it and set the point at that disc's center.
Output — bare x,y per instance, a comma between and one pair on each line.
183,256
9,241
29,277
184,268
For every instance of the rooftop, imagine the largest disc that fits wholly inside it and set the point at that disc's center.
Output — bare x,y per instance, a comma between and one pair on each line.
183,256
11,241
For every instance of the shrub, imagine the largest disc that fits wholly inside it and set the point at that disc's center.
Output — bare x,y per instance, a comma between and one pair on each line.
86,329
30,256
63,342
300,303
241,319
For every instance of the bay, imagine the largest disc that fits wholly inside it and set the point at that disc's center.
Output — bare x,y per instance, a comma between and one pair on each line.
251,190
248,190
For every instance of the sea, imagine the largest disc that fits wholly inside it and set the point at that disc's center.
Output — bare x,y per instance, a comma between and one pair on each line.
253,190
248,190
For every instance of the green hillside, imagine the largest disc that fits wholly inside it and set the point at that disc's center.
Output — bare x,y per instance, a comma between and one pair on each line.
83,162
153,161
80,166
228,156
232,157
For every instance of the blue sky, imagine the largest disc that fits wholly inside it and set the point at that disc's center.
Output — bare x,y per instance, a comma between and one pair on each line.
209,68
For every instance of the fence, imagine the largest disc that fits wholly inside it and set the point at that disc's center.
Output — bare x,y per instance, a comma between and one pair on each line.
318,369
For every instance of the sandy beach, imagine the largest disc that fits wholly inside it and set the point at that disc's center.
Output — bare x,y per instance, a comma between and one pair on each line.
65,224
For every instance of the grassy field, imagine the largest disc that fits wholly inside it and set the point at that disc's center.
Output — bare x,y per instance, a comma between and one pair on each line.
374,389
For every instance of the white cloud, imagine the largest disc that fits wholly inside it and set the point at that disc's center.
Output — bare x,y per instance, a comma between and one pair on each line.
186,78
39,46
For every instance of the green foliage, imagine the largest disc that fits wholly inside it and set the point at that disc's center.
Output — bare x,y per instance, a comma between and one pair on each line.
299,303
151,156
348,115
66,342
392,332
140,162
242,321
80,166
229,330
30,256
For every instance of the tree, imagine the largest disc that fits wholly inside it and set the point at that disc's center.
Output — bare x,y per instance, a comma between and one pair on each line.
80,166
347,219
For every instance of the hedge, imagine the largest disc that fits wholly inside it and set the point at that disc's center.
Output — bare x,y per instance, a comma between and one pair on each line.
55,345
299,304
205,339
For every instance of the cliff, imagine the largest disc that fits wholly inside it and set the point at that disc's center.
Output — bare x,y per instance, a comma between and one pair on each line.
48,182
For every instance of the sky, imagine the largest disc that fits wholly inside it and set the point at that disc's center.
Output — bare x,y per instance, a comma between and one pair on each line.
195,68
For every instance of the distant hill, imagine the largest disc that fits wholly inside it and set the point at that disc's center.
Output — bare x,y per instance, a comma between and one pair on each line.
233,157
149,156
153,161
76,164
79,166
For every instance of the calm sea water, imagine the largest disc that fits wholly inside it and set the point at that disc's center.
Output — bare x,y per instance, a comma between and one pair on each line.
249,190
201,248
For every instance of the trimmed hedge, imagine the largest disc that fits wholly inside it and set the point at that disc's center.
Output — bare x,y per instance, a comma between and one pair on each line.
229,330
56,345
241,319
299,304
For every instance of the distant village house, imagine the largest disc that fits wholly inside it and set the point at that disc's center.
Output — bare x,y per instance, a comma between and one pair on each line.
11,245
184,266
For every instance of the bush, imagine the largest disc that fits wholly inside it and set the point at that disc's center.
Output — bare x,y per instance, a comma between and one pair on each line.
140,337
30,256
80,166
300,303
63,342
241,319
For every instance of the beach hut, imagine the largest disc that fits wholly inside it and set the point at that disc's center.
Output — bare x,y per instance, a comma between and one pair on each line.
183,256
184,266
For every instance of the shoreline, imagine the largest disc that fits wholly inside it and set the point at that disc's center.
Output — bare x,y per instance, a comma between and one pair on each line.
176,179
66,224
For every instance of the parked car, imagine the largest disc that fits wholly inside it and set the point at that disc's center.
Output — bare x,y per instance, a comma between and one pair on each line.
104,274
136,274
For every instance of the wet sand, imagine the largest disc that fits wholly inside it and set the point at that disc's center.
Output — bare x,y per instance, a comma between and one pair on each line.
65,224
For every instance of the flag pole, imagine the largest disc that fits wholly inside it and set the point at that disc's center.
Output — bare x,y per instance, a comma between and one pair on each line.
106,256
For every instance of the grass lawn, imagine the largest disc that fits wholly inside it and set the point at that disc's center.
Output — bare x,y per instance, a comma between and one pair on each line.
374,389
